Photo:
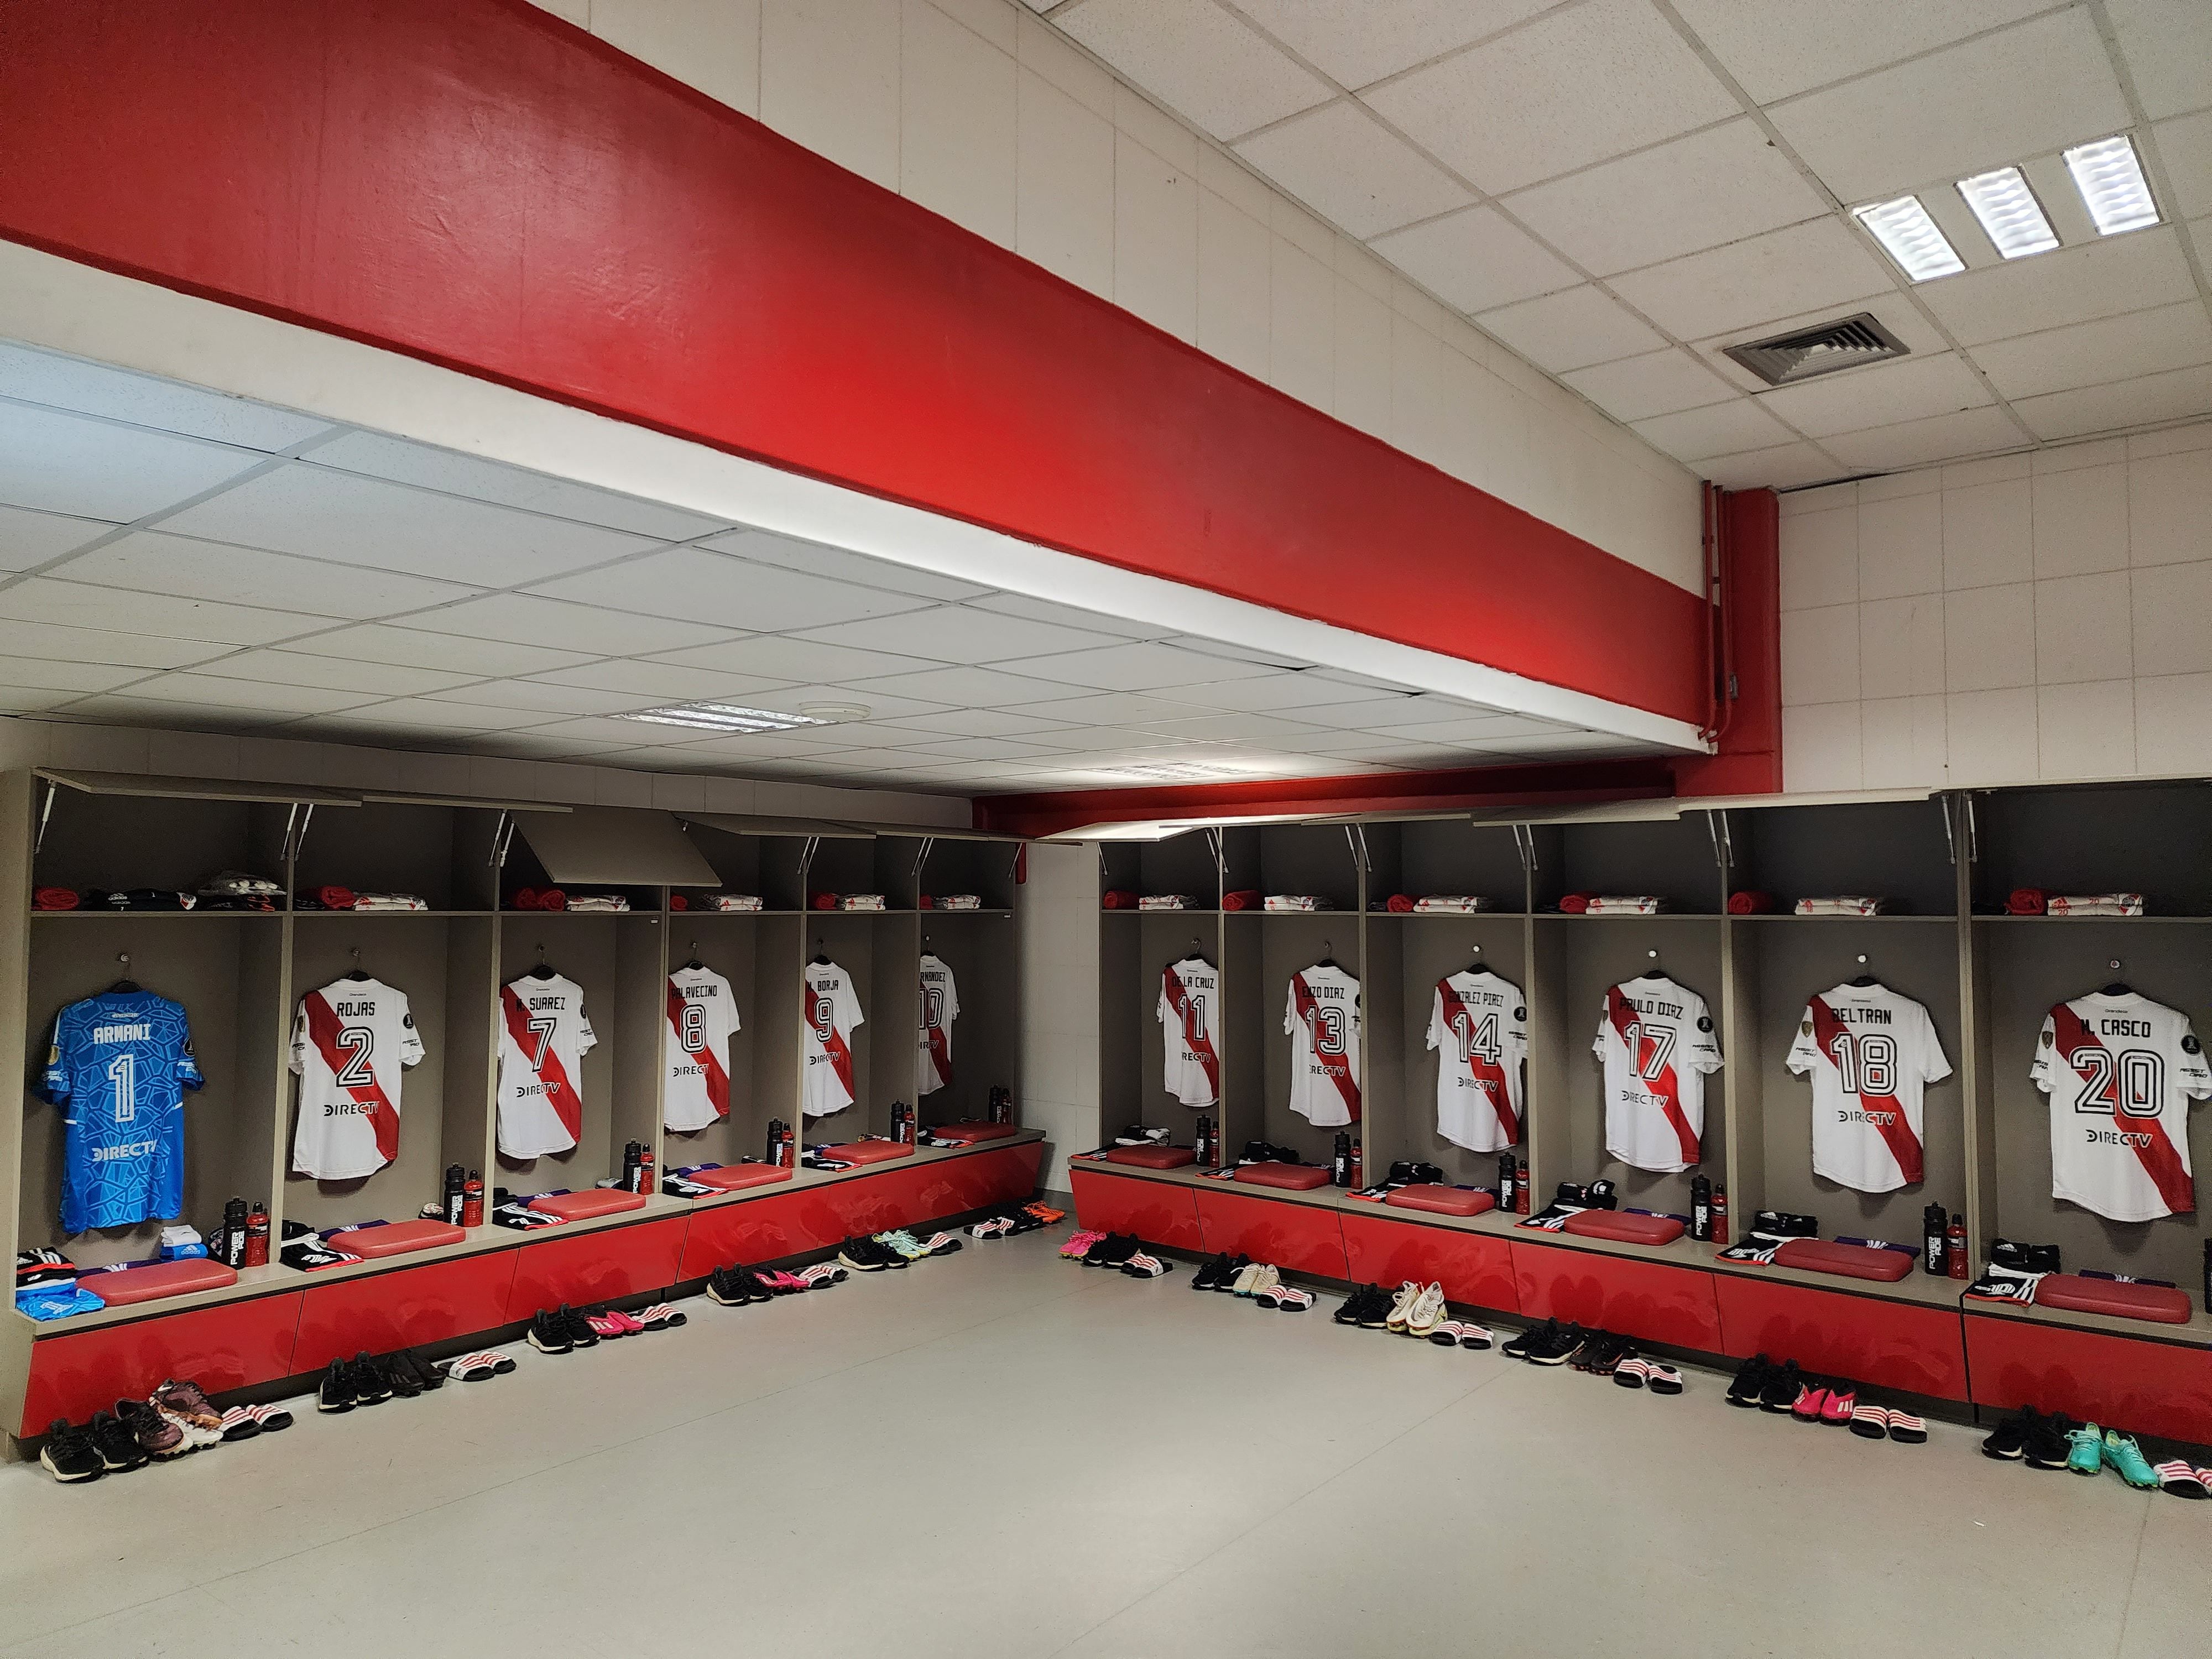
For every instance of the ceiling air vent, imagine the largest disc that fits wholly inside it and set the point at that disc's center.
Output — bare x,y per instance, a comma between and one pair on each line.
1789,358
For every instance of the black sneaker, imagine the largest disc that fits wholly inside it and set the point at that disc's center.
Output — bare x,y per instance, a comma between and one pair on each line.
549,1332
371,1387
1226,1283
1354,1311
865,1256
426,1376
68,1455
2046,1446
337,1392
1750,1380
734,1287
576,1327
399,1375
1562,1341
1783,1384
1208,1271
1535,1336
1589,1350
1114,1251
118,1448
2010,1440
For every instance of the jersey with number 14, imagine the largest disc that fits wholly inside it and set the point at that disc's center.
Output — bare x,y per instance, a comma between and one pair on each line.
542,1039
1478,1026
118,1067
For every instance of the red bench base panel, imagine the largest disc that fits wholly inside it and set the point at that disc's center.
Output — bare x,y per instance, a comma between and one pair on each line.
1646,1299
1154,1211
760,1230
1301,1237
595,1267
2142,1388
408,1308
1891,1344
1473,1268
219,1348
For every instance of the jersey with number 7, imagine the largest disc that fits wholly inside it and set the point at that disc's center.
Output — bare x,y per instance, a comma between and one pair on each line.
542,1039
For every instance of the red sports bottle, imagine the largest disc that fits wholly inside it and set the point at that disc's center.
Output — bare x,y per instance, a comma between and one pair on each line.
1720,1217
1956,1246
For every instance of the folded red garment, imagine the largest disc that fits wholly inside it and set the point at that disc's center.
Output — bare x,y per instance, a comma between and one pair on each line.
678,902
335,898
552,898
2028,902
928,902
1750,904
1402,903
1246,899
1574,904
55,898
822,902
1116,899
524,898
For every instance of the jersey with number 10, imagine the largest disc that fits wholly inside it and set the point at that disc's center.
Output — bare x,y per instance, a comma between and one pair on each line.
2121,1071
1478,1026
1656,1038
542,1039
940,1006
118,1067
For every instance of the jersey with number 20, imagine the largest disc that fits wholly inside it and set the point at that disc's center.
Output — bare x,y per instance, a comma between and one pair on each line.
2121,1071
118,1067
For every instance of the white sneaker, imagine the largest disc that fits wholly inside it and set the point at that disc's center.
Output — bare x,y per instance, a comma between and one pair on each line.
1249,1280
1264,1279
1402,1305
1427,1310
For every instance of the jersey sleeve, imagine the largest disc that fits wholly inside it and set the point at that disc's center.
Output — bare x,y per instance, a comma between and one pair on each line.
1290,1007
1604,1024
1805,1052
2193,1075
1935,1064
1436,1019
951,999
2043,1073
300,1039
1705,1040
1164,1010
1516,1032
586,1038
188,1065
410,1040
54,1084
848,1006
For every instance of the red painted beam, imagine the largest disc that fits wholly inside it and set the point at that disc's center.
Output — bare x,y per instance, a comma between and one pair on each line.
475,183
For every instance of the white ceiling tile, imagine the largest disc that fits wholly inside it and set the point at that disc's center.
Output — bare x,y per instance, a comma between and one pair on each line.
1236,728
2172,396
543,695
1914,443
46,640
1357,41
980,688
338,673
1148,666
1382,714
1892,310
2185,147
2097,353
837,564
324,514
1879,394
875,696
1206,647
1068,616
1778,47
1802,268
530,619
405,647
60,463
1656,383
2024,296
1710,187
1585,82
88,388
399,461
660,681
1198,60
957,634
772,658
218,691
153,562
130,709
2032,87
978,723
749,746
28,539
1274,694
1119,710
44,600
1571,330
1351,172
2167,44
38,674
1475,259
1785,466
1476,729
427,715
731,592
1717,429
976,748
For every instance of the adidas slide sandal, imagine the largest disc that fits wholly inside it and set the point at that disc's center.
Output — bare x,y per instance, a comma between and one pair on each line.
660,1317
1870,1423
271,1417
1631,1373
1905,1429
477,1367
1662,1379
2177,1477
239,1423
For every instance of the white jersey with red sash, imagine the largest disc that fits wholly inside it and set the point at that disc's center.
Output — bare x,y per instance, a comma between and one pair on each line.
940,1006
702,1017
1478,1027
1322,1019
1871,1054
1189,993
833,1014
2121,1071
1656,1039
542,1039
350,1041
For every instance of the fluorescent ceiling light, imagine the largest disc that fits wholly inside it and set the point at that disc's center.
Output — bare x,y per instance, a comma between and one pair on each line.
1909,236
1178,771
723,717
2112,185
2009,212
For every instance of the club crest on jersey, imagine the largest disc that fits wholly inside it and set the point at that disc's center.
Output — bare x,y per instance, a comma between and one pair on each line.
2190,1045
1705,1022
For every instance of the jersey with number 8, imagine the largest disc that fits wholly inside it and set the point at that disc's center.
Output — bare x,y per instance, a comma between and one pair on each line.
2121,1071
702,1017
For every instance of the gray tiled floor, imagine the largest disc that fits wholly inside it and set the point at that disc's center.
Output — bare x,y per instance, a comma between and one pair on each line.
1002,1454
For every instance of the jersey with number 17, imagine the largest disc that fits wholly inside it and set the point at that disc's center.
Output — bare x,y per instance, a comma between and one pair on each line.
118,1067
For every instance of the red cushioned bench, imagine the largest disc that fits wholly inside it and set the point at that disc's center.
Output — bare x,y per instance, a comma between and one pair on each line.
1622,1227
592,1200
2161,1304
1292,1177
1152,1158
732,1178
868,1152
1849,1260
1444,1200
400,1237
158,1279
970,1133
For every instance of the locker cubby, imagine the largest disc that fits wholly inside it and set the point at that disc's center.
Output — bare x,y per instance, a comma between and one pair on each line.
2144,838
731,945
843,866
879,952
1406,956
1668,857
1184,864
118,841
440,854
738,861
1444,855
983,867
1897,850
981,949
1287,944
1139,950
523,869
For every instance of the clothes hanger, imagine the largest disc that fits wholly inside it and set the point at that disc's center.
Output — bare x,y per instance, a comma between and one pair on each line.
1865,980
1656,971
1196,953
2117,988
357,973
541,971
1326,960
127,986
821,955
695,965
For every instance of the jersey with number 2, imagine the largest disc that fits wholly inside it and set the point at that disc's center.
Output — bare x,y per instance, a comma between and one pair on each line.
118,1067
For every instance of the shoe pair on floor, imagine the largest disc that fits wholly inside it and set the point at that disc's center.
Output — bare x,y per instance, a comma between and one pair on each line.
1788,1389
1601,1353
2059,1442
1026,1219
737,1285
1123,1250
557,1330
175,1419
365,1380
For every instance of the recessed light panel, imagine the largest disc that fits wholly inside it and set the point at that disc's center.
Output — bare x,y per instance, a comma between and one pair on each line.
2009,212
2112,185
722,717
1909,236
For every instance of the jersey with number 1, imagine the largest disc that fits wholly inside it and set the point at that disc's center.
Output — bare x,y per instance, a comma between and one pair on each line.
118,1067
702,1017
2121,1071
542,1039
1656,1039
1322,1019
1871,1054
1478,1026
350,1041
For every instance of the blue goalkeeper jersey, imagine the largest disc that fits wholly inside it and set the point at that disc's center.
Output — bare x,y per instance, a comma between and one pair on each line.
118,1067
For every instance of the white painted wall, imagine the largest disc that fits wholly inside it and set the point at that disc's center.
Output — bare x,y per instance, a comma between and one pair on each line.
2034,617
979,112
1059,915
